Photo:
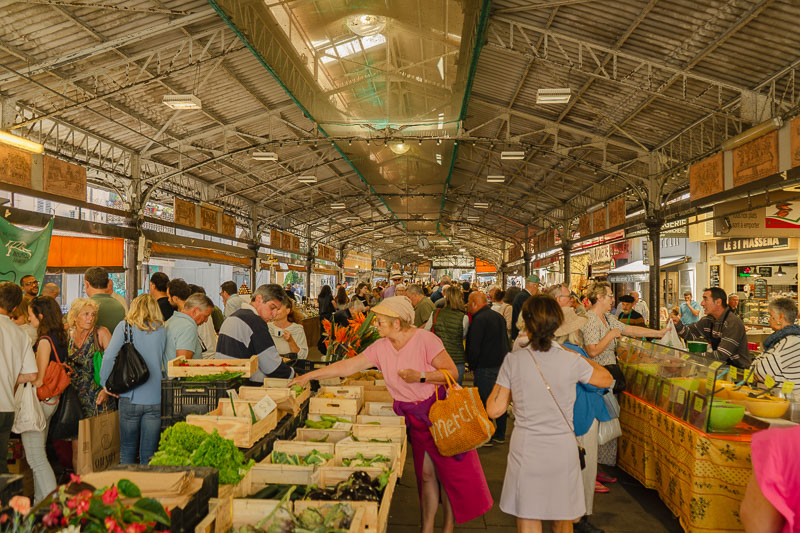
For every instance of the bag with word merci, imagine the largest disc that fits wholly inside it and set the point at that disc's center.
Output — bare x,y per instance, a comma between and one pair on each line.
460,422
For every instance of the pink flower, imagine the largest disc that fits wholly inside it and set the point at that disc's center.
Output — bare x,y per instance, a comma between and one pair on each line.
136,528
21,504
74,479
110,496
82,506
3,518
111,525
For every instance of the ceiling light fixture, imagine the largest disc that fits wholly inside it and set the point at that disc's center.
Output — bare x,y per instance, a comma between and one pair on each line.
366,25
399,147
780,271
473,219
338,205
462,249
495,179
182,101
481,205
265,156
553,96
512,155
307,179
21,142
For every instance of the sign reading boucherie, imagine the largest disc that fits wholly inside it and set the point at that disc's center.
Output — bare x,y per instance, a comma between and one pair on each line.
732,246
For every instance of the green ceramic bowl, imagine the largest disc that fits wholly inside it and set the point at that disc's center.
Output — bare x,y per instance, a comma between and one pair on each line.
725,415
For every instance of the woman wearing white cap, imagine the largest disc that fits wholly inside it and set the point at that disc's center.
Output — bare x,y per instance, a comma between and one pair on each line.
413,361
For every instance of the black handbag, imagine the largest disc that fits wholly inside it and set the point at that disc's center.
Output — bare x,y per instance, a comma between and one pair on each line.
619,377
130,369
64,424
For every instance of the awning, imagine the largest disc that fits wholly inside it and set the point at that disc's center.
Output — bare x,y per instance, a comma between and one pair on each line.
763,258
637,271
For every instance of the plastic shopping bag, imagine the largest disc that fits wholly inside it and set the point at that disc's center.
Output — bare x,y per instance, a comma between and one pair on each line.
29,414
672,338
608,431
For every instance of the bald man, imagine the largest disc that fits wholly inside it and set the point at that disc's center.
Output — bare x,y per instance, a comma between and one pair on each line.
51,289
487,346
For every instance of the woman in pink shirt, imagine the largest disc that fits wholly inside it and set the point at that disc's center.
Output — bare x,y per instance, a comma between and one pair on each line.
412,361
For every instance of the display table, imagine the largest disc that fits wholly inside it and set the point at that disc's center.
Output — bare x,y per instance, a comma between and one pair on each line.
701,478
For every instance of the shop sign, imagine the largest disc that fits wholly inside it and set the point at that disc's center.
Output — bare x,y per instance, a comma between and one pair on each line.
732,246
629,278
780,218
706,177
600,254
713,276
673,228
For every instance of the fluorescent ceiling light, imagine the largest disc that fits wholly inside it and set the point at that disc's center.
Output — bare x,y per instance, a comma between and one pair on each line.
512,155
388,240
473,219
481,205
553,96
495,179
462,249
338,205
20,142
440,67
377,235
182,101
307,179
265,156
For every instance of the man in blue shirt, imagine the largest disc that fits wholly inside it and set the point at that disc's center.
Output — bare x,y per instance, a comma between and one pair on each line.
690,309
182,338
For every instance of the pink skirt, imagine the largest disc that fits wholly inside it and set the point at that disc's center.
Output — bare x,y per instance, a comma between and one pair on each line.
461,476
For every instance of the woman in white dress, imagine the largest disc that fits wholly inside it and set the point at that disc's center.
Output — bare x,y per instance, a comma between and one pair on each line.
543,473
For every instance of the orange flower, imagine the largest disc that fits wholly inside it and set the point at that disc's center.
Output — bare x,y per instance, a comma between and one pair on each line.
20,504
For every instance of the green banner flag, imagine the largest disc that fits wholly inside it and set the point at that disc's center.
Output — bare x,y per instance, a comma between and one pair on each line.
23,252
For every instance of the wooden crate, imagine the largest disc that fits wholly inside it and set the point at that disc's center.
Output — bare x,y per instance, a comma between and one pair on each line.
381,420
240,428
378,409
206,367
369,385
227,513
367,449
263,474
397,434
335,406
344,391
285,398
378,396
376,514
309,434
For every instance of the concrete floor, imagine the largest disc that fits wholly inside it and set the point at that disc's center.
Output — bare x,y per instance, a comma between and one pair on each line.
628,508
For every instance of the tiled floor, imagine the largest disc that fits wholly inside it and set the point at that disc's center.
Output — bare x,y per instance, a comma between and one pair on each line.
628,508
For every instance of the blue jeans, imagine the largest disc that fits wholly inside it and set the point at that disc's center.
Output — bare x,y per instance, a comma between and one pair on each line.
485,379
460,367
139,431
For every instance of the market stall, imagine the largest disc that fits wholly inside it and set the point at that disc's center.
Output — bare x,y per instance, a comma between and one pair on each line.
687,423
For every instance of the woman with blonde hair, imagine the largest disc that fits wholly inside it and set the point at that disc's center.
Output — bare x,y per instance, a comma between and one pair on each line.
85,340
413,362
139,408
450,323
600,334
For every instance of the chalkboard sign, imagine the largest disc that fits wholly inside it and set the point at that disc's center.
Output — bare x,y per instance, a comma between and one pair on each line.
713,275
765,272
761,291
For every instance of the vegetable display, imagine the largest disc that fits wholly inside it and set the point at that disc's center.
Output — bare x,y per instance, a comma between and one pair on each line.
326,422
314,457
298,390
361,461
187,445
358,487
330,518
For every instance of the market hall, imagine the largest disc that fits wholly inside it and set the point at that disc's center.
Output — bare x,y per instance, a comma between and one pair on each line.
400,265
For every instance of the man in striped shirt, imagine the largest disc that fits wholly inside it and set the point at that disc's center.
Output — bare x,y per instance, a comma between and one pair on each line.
721,328
245,333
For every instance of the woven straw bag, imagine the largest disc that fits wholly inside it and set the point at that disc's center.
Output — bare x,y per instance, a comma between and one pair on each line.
459,421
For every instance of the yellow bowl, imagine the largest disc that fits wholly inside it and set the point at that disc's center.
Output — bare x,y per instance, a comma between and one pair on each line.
766,408
740,393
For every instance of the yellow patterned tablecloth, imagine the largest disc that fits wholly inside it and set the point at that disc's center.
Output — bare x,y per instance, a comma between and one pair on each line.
701,478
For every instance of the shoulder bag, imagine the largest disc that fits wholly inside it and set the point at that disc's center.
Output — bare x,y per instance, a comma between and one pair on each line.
581,450
130,369
459,422
56,377
433,324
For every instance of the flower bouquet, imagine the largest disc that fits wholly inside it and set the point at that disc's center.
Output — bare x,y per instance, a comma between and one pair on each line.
75,507
351,340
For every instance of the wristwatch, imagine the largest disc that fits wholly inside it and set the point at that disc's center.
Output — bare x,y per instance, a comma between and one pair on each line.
422,377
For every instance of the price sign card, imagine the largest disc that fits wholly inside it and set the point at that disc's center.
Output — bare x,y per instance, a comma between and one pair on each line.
698,414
